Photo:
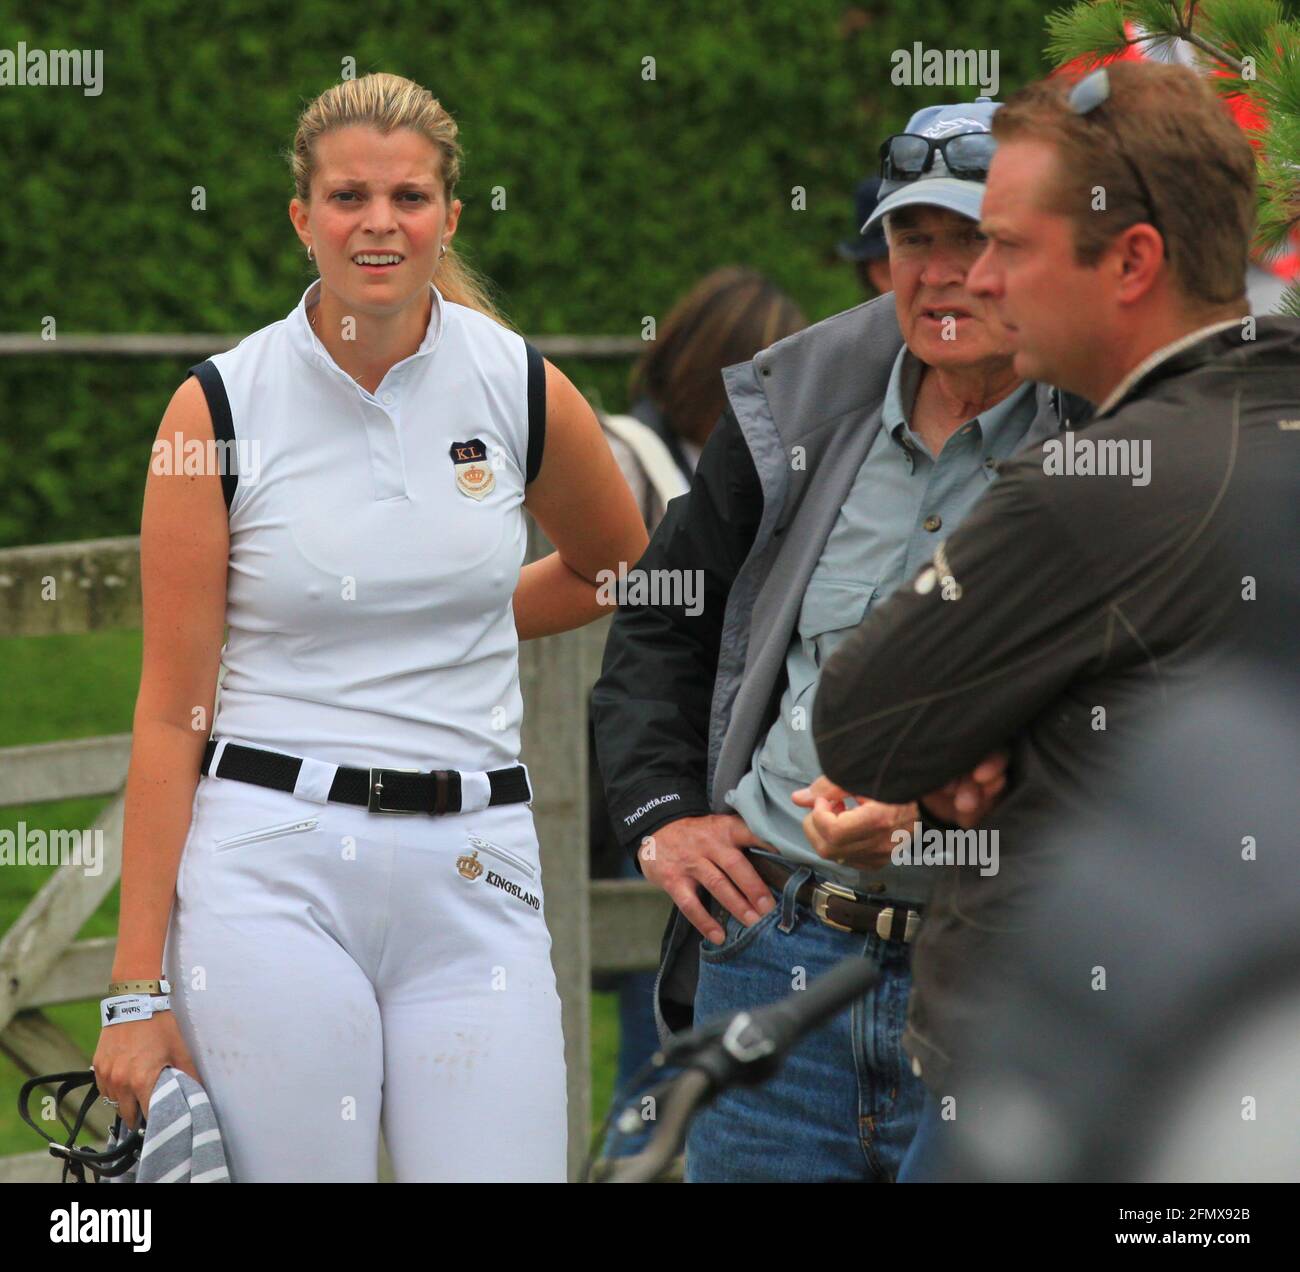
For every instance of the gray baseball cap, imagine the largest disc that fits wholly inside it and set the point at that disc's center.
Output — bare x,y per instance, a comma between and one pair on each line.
936,187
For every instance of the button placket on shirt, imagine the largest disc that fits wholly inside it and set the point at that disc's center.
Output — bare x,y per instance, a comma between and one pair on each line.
387,463
380,413
933,521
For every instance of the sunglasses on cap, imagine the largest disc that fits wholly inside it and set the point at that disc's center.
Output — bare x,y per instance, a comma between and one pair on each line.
1089,93
908,156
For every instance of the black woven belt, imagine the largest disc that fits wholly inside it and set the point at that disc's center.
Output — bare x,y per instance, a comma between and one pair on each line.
381,790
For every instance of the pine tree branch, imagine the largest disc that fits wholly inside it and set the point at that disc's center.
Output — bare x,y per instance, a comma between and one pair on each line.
1186,33
1182,29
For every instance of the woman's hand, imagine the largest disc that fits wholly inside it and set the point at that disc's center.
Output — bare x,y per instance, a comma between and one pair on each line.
130,1057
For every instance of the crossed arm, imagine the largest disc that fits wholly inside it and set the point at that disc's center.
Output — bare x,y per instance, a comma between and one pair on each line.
915,709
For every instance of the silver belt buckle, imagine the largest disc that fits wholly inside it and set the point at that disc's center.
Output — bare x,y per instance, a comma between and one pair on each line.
822,893
377,790
885,920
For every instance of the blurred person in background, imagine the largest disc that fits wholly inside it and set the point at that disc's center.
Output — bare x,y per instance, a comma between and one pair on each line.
676,392
675,387
867,248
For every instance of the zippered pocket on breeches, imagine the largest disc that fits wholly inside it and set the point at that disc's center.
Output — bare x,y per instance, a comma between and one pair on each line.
267,832
502,855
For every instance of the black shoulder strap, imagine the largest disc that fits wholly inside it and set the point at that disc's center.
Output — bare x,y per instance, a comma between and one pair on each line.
536,412
223,427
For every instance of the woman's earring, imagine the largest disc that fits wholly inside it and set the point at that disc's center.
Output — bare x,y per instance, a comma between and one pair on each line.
310,257
443,252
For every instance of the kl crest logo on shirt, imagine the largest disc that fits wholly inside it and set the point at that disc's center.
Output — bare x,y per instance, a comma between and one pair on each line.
474,474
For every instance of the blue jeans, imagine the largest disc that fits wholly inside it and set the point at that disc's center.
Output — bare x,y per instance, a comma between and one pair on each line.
844,1105
923,1162
936,1155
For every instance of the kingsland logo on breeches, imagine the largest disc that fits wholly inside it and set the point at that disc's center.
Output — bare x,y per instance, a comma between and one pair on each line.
513,889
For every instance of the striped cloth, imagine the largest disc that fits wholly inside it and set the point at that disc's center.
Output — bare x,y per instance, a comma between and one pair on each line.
182,1141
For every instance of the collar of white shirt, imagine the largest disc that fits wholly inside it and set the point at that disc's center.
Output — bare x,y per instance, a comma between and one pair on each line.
309,343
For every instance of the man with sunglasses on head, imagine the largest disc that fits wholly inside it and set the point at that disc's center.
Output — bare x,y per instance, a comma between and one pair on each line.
1100,578
843,454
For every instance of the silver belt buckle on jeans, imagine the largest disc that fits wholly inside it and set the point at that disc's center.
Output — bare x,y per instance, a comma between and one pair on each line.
377,789
885,921
822,893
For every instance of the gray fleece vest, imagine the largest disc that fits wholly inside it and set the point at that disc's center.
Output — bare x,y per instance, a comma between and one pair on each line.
809,408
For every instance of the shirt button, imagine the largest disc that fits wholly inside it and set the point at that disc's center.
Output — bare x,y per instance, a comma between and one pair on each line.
932,522
387,399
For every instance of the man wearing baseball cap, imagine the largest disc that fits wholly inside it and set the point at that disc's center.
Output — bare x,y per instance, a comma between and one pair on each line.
1103,576
844,452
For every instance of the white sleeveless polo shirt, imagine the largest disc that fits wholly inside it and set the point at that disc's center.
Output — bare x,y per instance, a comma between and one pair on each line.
371,573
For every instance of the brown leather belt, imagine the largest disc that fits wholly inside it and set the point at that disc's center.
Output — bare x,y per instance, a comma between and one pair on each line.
841,907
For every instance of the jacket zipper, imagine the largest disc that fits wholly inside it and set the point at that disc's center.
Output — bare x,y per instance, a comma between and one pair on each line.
268,832
492,850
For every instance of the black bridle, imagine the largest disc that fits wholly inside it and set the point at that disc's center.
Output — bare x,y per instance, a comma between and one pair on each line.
110,1162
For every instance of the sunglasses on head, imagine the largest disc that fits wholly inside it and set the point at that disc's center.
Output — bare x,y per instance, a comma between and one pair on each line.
908,156
1089,93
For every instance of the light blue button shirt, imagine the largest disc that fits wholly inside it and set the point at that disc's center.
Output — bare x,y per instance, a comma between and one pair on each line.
902,503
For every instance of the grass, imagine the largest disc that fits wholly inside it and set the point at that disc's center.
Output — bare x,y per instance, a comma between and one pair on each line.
62,687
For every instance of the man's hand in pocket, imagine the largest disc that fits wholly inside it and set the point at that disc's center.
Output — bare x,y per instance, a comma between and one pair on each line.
706,852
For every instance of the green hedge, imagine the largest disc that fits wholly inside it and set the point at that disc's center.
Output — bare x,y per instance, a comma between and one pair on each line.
620,191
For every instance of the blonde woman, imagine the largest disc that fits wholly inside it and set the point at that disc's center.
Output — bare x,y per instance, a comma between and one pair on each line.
334,965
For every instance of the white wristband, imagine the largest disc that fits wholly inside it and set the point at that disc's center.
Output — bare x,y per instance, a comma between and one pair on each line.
124,1007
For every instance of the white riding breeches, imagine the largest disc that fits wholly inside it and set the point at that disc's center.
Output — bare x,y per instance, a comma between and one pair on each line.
333,969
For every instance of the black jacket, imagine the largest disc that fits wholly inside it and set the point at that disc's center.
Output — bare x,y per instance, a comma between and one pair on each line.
652,701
